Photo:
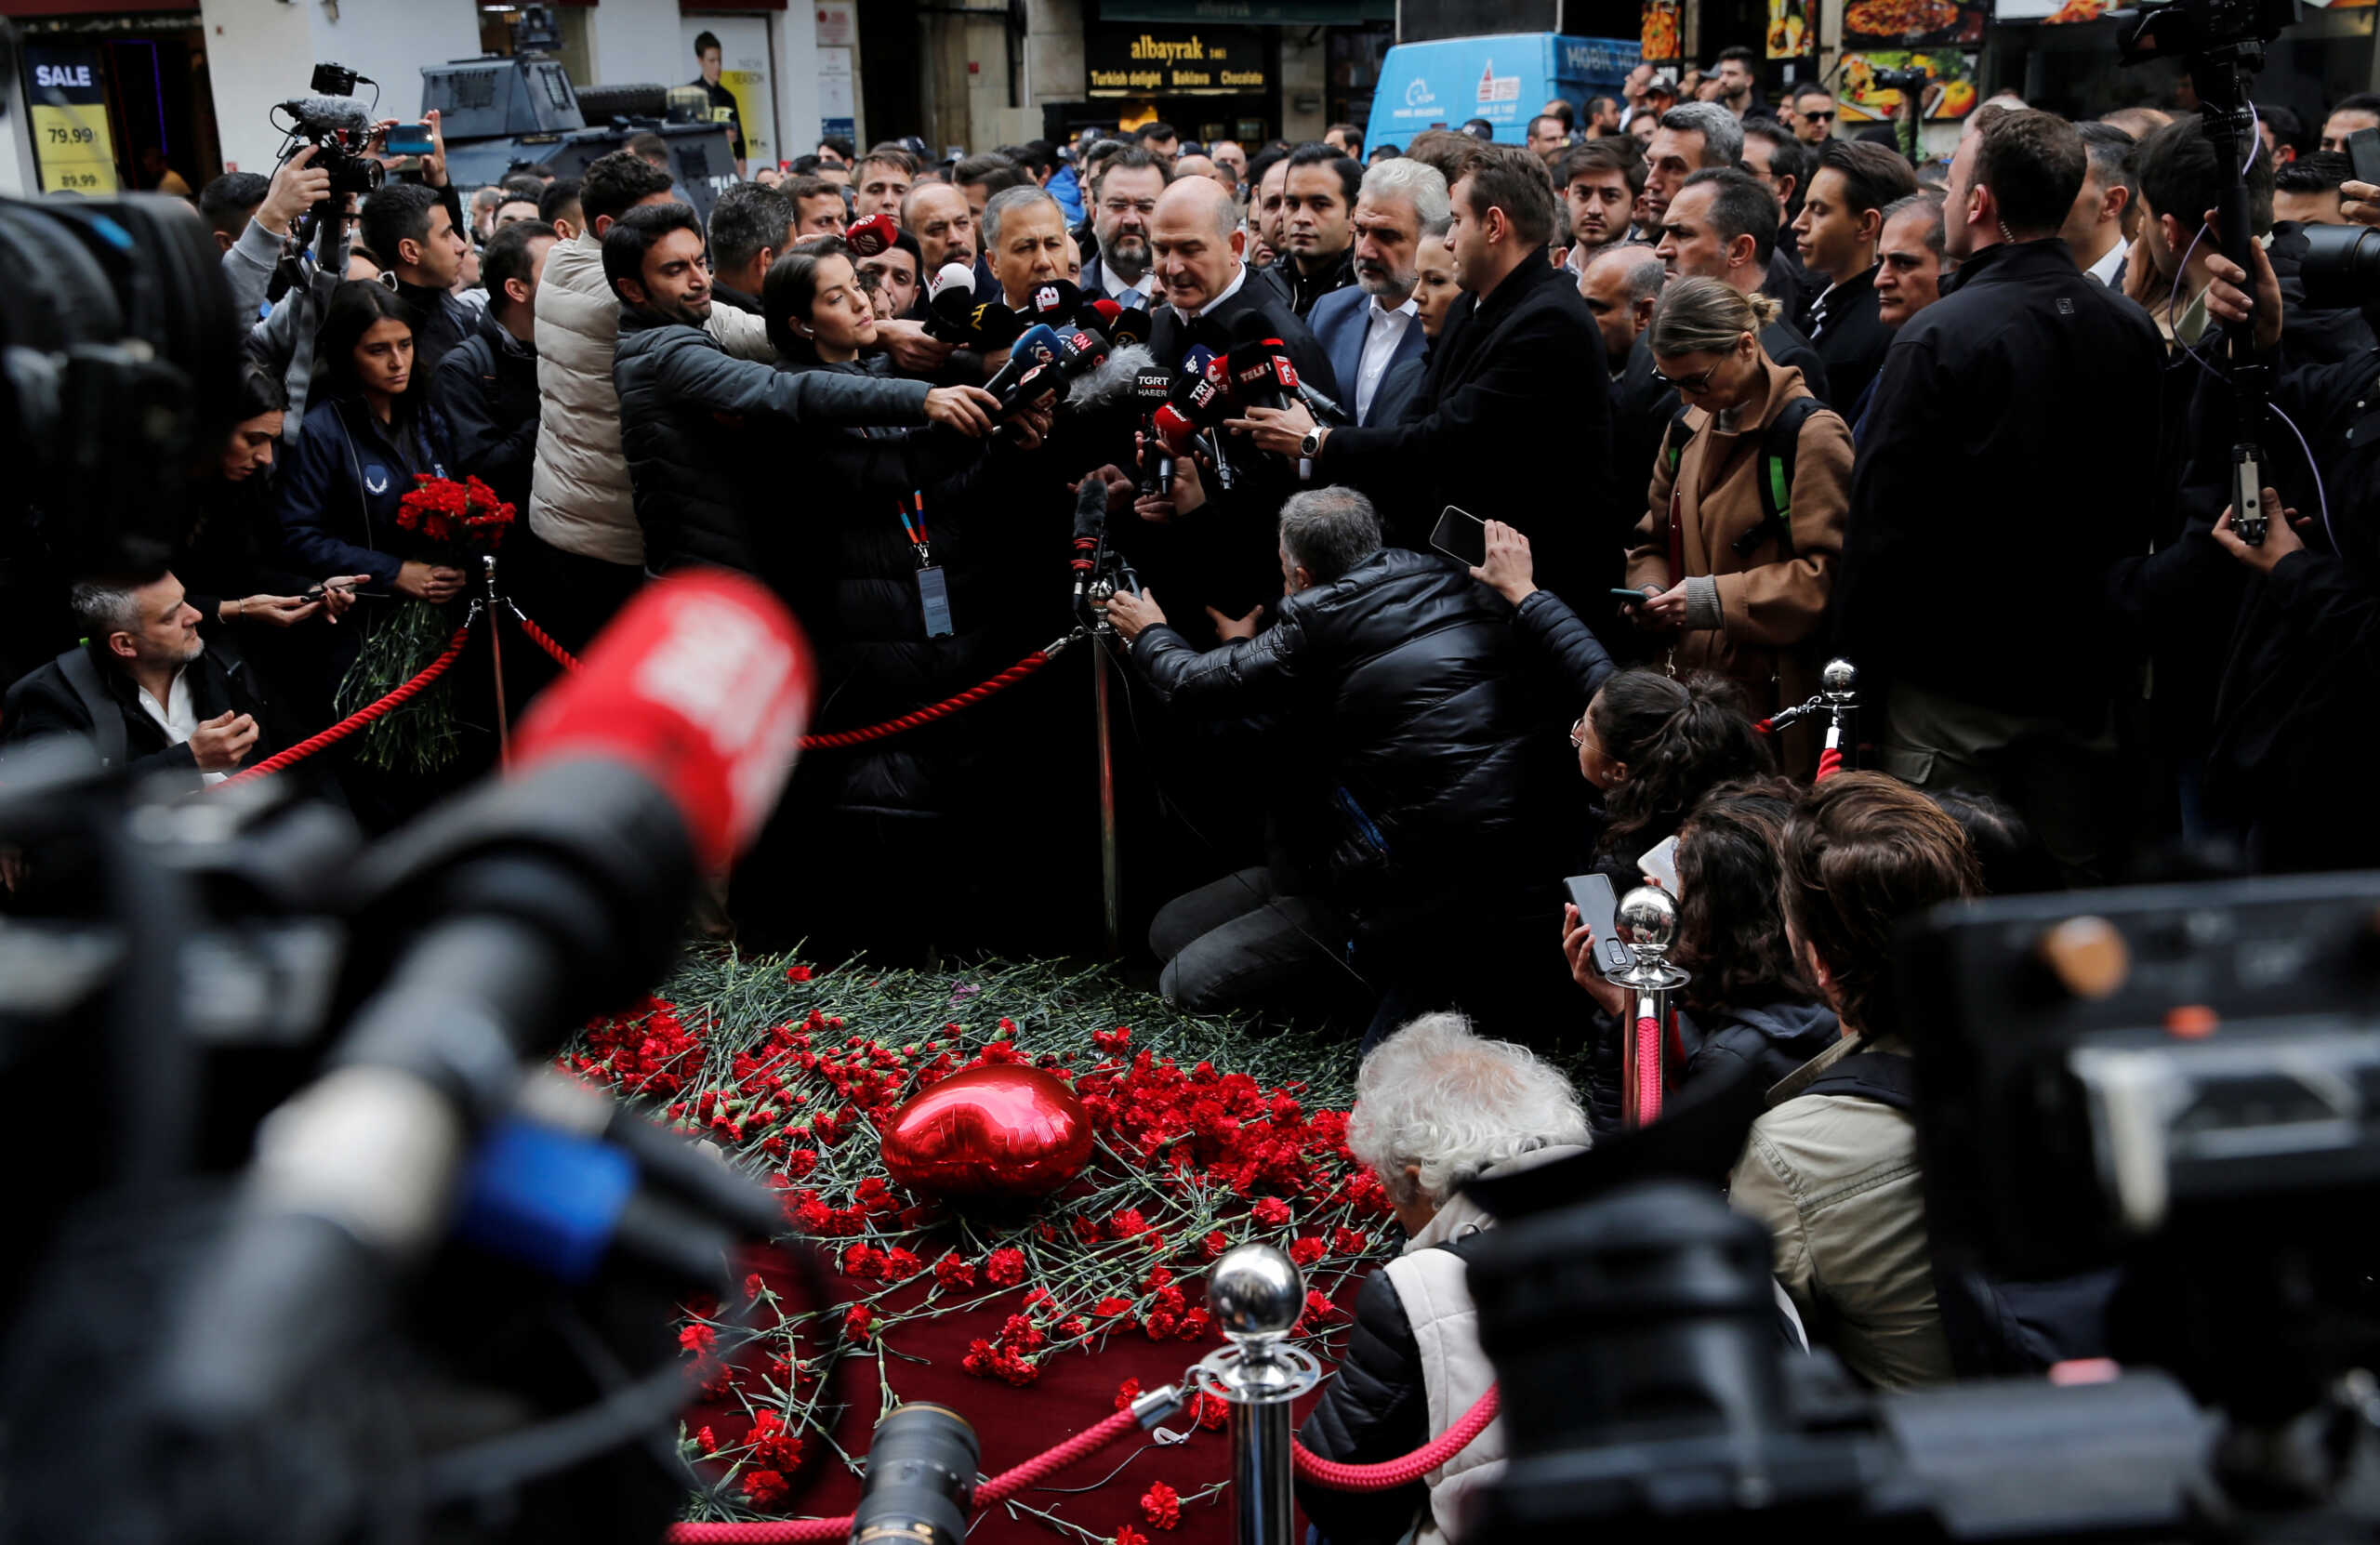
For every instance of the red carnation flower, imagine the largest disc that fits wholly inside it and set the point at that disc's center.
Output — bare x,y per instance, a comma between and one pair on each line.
1306,1250
697,1339
797,973
1271,1210
1161,1505
1004,1268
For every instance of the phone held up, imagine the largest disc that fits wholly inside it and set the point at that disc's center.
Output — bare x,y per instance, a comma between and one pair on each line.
1461,536
409,140
1599,909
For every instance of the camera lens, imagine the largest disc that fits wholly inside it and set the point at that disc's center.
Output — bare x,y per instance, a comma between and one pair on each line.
2342,266
920,1478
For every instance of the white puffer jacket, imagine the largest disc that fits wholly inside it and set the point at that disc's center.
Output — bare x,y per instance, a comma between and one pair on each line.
580,499
1434,1286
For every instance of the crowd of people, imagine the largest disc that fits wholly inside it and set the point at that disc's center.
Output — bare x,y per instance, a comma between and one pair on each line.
1506,492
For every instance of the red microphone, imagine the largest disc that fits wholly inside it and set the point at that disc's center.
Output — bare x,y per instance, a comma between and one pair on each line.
702,683
872,235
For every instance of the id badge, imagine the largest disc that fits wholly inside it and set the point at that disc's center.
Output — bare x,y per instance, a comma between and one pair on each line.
934,594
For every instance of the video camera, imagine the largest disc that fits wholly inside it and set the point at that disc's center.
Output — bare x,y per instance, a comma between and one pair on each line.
339,129
2180,1085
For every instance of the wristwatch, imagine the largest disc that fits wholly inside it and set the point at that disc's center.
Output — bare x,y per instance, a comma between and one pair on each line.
1311,446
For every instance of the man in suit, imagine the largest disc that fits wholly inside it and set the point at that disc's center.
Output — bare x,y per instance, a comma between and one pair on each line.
1123,200
1225,557
1370,329
1842,221
1722,225
1514,417
1621,287
1317,200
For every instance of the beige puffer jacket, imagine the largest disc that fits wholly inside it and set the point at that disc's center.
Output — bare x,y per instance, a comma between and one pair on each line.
580,499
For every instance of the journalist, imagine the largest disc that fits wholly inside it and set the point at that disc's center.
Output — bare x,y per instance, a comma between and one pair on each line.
1437,1107
1423,775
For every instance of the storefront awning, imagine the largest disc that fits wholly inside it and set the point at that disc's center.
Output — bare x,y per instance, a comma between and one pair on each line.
1261,13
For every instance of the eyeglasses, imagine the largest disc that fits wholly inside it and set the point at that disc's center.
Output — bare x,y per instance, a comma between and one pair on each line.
1688,385
1126,206
1578,734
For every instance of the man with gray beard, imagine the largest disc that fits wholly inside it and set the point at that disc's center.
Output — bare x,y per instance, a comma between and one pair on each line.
1370,329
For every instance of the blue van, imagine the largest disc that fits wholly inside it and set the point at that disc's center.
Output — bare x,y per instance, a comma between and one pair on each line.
1504,79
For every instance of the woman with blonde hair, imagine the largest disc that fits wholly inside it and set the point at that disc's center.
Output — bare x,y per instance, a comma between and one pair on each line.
1736,553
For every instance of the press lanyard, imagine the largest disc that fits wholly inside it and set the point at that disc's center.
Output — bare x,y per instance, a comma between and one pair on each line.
933,587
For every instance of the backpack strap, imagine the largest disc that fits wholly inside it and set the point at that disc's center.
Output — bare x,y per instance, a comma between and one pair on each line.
1778,445
1675,439
107,715
1887,1077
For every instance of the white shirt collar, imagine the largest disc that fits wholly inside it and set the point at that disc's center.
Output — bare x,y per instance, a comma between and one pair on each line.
2104,270
1229,290
1116,288
1411,307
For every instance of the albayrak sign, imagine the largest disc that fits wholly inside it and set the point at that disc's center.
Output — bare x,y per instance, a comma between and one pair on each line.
1176,61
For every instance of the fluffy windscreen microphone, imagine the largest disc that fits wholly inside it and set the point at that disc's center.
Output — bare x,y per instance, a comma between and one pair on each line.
344,113
957,276
872,235
1112,381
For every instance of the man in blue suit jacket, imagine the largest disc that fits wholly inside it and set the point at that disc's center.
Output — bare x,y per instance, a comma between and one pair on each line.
1370,329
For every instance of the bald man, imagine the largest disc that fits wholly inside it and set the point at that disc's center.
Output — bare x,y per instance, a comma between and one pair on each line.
1227,559
1621,286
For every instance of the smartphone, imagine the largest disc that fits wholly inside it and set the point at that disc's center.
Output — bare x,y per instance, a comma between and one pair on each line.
1632,597
1461,536
1598,908
1659,863
2363,151
409,140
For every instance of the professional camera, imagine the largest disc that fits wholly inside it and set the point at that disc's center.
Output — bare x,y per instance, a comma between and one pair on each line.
339,129
2342,265
1909,82
2177,1083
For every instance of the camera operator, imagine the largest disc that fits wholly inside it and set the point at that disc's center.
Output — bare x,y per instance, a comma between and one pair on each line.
2022,348
229,203
1437,1107
283,340
1422,799
685,401
1830,1170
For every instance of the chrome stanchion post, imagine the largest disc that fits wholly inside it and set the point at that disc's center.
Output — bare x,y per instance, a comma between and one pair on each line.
1111,881
1839,684
495,603
1256,1295
1647,922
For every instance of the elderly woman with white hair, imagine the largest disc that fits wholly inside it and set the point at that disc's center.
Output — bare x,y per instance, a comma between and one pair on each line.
1437,1107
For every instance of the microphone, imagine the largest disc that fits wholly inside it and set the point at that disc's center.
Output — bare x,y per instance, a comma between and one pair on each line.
555,892
1091,529
1054,302
949,276
1153,389
1287,374
1200,400
1130,326
1114,379
1035,346
345,114
868,237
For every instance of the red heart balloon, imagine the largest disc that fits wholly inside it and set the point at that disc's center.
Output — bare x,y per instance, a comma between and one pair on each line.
1003,1130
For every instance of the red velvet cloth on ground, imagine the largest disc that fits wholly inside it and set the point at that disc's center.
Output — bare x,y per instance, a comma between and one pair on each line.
1073,1393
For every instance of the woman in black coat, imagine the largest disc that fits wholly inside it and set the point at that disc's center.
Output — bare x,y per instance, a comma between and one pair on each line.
916,575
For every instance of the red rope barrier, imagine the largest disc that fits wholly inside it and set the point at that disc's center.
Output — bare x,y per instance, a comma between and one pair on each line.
1398,1472
545,640
998,1489
943,709
360,717
1829,763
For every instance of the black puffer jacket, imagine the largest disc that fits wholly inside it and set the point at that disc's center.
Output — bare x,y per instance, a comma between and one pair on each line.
850,572
1430,768
1773,1038
685,403
1375,1408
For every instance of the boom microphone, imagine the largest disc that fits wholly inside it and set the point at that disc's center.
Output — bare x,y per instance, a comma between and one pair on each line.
345,114
1114,379
558,892
872,235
